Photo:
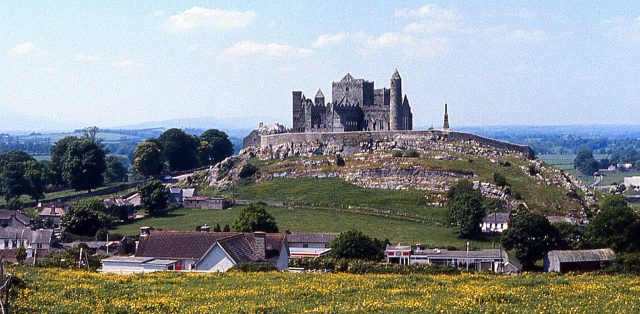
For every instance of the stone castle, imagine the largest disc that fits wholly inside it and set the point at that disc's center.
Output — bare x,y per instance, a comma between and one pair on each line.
355,106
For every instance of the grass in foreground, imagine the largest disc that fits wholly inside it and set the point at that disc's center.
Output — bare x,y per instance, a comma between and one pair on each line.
313,220
70,291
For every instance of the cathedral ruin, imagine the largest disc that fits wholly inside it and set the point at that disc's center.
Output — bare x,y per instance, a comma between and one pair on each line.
355,106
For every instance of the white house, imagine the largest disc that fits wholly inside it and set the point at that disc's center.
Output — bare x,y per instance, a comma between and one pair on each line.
133,265
632,181
494,260
495,222
204,251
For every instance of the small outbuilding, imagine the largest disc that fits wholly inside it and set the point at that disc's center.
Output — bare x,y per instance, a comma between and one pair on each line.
204,202
495,222
577,260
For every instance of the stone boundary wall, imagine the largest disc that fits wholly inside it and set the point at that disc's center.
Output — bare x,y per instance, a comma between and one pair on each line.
353,141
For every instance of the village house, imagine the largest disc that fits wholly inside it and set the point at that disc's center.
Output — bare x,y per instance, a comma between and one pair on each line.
203,202
309,244
577,260
37,242
120,202
14,218
202,251
52,212
495,222
495,260
567,219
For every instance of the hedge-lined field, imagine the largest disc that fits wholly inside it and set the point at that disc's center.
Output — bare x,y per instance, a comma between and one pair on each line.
70,291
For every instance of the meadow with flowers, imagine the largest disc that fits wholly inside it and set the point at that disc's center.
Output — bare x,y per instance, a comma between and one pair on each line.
73,291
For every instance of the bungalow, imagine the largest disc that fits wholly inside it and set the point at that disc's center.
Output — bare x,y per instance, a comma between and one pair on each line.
495,222
577,260
204,202
208,251
309,244
131,265
494,260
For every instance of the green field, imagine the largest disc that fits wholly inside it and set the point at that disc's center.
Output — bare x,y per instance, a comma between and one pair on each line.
72,291
313,220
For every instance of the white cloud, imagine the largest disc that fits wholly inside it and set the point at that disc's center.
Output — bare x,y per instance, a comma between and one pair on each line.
158,13
199,17
429,10
127,63
430,26
536,35
21,49
81,57
245,48
526,13
329,40
502,34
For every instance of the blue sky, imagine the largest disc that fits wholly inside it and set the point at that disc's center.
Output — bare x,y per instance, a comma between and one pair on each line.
78,63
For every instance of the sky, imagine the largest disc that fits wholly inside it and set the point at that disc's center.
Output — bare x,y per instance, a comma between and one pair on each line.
110,63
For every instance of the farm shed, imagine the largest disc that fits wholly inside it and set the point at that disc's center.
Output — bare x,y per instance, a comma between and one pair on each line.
577,260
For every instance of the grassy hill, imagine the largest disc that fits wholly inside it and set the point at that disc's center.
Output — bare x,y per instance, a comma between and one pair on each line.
72,291
302,219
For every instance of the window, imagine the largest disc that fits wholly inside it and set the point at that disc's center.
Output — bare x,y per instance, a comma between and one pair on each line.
39,246
305,245
6,244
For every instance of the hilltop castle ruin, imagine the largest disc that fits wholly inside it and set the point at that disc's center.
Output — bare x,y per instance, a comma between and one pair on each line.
355,106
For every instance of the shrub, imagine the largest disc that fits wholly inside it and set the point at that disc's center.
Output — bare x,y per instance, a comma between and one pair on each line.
340,161
533,170
254,267
625,263
412,154
248,170
397,154
355,266
500,180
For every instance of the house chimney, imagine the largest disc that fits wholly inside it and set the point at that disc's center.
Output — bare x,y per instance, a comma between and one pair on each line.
205,228
261,245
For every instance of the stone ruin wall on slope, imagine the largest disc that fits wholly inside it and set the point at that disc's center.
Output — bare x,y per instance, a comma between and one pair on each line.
284,145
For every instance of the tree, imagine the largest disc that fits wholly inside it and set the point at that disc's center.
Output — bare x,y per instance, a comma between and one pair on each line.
21,254
86,218
255,218
91,133
466,209
354,244
179,149
217,228
585,163
36,175
226,228
339,161
617,226
13,167
248,170
147,159
531,236
154,197
115,170
58,151
221,146
572,237
81,162
14,203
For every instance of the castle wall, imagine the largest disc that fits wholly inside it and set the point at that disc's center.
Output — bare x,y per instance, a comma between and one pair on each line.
348,143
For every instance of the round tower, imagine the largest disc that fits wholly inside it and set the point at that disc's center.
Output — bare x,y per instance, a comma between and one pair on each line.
395,104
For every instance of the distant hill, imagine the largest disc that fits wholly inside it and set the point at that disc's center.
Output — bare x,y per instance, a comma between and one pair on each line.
237,126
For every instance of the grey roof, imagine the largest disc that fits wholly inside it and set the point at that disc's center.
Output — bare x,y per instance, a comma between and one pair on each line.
239,249
19,216
572,256
162,261
398,247
175,190
310,237
128,259
497,218
40,236
319,94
